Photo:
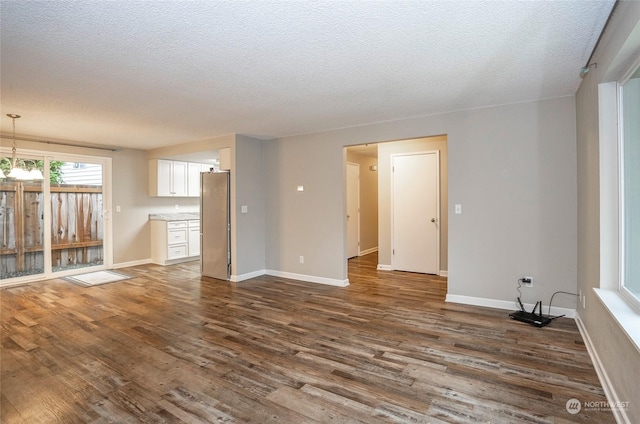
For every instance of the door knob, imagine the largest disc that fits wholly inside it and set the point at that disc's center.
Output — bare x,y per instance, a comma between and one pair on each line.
433,220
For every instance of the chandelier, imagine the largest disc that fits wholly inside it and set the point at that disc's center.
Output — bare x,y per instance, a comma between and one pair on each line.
18,172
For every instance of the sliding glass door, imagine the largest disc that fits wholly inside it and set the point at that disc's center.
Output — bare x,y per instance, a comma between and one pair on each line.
77,230
21,222
56,226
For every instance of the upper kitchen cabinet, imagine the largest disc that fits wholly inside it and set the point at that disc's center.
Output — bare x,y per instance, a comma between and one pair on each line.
168,178
194,177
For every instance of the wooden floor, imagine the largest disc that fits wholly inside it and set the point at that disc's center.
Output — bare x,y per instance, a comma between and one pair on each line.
167,347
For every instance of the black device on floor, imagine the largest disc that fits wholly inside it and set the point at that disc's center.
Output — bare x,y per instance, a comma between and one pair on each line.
533,318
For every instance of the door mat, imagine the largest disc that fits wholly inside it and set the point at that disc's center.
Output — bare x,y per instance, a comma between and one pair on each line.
96,278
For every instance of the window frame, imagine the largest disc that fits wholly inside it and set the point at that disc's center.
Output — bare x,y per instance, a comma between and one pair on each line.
627,294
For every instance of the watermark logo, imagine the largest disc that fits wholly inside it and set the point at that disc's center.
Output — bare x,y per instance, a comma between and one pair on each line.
573,406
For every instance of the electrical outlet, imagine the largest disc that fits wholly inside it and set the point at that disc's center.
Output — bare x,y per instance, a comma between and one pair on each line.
527,281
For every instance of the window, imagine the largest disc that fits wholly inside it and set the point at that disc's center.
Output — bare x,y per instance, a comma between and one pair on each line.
629,139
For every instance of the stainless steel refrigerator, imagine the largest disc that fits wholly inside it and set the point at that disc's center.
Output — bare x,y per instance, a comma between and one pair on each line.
215,228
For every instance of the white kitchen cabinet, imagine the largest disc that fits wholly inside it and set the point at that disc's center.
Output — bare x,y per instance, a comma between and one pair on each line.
194,237
180,178
160,183
171,240
193,179
194,170
168,178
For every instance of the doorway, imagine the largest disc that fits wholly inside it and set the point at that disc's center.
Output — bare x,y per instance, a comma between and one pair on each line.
353,210
376,228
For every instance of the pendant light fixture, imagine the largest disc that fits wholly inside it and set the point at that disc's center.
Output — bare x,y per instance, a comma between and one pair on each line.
16,171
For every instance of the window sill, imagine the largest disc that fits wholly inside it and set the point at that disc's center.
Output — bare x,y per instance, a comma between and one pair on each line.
625,315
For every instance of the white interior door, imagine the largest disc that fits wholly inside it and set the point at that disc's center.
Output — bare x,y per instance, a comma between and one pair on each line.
415,209
353,210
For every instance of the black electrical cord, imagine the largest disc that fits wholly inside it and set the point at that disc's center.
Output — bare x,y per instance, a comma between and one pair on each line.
519,292
563,292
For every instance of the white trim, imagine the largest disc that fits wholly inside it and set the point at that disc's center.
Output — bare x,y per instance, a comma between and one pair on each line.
368,251
609,188
357,165
443,273
622,231
176,261
36,278
308,278
19,281
247,276
384,267
506,304
619,413
131,263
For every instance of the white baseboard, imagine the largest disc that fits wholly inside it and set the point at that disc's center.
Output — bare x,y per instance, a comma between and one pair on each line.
247,276
367,251
131,263
384,267
21,281
506,304
308,278
289,275
620,414
41,277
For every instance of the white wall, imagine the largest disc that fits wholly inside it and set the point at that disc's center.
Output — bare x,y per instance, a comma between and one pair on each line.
513,169
619,358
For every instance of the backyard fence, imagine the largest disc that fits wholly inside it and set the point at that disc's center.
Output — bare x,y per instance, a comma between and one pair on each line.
76,227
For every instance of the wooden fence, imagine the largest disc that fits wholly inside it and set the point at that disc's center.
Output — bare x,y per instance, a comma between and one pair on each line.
76,227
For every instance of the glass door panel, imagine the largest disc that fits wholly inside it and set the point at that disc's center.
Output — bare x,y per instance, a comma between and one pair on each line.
77,233
21,222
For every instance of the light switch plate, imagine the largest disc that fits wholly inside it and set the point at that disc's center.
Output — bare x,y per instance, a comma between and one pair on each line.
458,209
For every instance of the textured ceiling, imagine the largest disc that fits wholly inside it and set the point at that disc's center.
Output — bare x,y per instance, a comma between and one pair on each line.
150,74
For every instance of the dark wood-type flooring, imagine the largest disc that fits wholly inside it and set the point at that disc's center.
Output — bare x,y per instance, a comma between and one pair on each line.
168,347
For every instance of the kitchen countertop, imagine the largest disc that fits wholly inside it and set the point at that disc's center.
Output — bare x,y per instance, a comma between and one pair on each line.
179,216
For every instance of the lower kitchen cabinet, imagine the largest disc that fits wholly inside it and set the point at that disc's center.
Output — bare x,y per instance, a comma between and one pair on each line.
194,237
172,241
